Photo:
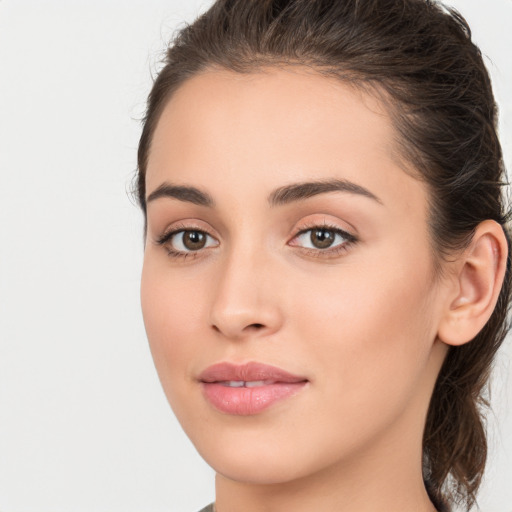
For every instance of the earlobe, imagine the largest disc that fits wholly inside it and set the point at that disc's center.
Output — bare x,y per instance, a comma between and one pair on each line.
480,271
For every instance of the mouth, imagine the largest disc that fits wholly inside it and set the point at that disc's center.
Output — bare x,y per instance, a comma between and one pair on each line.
248,389
245,384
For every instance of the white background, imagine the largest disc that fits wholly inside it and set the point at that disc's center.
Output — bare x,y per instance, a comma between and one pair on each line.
84,425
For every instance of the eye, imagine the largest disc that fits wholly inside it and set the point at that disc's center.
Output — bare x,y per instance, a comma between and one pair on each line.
183,242
191,240
323,238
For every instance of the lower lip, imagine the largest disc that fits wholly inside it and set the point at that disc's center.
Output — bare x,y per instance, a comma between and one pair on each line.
248,401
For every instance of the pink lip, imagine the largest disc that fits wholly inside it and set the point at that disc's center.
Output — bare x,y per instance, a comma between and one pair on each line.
277,385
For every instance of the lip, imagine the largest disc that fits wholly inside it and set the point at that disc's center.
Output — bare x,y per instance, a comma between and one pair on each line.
270,384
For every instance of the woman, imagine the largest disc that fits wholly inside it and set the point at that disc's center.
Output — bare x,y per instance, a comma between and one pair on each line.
327,271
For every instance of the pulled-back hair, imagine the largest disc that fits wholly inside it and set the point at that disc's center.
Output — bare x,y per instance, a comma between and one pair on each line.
419,57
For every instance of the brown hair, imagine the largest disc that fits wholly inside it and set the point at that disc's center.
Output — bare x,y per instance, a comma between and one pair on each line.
421,55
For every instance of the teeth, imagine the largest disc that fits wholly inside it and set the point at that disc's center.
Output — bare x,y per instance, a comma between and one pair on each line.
234,383
254,383
241,383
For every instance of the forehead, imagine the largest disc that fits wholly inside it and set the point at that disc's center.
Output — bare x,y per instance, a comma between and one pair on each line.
280,105
227,131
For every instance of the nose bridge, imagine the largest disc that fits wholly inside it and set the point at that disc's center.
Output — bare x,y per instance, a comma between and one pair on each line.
244,300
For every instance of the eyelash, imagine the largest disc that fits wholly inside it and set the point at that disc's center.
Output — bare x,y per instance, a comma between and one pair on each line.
329,252
337,250
180,228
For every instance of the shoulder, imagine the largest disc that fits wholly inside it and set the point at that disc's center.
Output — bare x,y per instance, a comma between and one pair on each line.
208,508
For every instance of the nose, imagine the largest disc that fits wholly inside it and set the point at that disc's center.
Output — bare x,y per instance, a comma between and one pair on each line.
245,301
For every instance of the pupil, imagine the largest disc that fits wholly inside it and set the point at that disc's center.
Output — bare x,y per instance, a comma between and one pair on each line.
194,240
322,238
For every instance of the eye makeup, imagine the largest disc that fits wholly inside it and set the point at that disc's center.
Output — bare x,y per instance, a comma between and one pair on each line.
324,240
197,237
331,241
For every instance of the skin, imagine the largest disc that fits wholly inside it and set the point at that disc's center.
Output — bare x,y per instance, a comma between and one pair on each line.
362,324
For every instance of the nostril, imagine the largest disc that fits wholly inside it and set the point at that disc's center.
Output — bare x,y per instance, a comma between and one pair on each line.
250,326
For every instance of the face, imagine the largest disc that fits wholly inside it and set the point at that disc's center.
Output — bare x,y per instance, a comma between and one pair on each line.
287,288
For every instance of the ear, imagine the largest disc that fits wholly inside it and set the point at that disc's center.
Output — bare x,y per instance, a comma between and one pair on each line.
479,274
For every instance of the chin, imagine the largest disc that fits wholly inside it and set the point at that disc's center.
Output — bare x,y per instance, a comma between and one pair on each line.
256,471
265,457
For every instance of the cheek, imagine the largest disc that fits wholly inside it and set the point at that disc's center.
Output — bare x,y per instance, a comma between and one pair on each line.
172,313
372,332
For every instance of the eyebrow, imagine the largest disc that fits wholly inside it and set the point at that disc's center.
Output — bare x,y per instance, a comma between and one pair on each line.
298,191
281,196
183,193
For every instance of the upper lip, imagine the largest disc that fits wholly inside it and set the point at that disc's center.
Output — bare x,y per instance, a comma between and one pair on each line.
248,372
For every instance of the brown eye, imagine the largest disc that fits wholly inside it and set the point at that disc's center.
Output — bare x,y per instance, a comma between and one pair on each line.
322,238
194,240
188,240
